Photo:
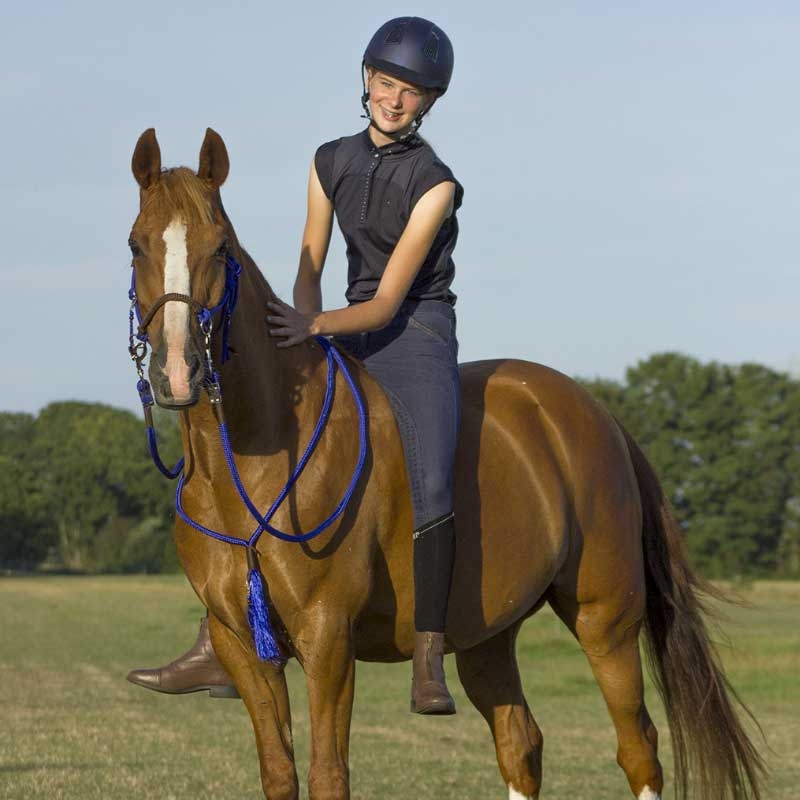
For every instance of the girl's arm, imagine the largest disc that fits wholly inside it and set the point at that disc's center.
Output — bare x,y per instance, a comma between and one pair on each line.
296,325
314,247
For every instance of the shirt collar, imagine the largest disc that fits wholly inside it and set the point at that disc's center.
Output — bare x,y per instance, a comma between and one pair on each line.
410,143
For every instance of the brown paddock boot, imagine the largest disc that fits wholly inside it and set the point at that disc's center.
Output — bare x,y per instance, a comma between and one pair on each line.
196,670
429,693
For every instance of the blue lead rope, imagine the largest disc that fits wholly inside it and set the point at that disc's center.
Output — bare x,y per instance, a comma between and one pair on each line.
146,396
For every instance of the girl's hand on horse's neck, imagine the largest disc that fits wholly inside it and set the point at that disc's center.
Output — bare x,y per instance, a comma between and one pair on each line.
290,323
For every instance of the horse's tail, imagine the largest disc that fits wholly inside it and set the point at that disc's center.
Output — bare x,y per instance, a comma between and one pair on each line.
710,747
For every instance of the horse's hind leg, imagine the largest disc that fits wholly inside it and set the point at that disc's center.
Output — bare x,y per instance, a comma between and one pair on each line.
491,679
264,692
608,632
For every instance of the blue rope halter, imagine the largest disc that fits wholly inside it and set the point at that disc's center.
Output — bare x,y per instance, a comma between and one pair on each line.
258,616
138,342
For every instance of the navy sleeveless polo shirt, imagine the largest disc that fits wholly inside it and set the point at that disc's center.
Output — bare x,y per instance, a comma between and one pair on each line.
373,191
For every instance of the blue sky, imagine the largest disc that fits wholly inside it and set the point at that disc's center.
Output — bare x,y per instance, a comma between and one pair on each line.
631,171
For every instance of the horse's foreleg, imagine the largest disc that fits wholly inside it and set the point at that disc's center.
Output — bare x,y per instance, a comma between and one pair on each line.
263,689
329,665
491,679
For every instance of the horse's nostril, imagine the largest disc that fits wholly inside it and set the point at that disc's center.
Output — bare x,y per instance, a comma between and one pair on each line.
195,368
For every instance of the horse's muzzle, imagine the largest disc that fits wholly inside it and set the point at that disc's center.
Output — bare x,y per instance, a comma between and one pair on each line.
176,380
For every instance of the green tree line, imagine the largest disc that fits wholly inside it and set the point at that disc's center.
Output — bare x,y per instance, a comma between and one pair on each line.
725,441
78,490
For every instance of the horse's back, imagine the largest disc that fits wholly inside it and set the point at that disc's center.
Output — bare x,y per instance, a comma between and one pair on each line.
542,477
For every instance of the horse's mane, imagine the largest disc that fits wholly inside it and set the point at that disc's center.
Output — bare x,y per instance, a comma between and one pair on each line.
259,278
180,191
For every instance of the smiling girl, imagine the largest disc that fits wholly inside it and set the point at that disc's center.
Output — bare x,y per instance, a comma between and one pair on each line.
395,203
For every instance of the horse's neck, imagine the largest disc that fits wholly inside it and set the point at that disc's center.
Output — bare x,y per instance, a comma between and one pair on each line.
265,389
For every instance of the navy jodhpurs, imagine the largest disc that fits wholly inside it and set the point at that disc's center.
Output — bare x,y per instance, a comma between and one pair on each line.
415,359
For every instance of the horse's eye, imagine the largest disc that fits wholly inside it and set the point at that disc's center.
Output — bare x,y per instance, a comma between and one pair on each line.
222,251
135,249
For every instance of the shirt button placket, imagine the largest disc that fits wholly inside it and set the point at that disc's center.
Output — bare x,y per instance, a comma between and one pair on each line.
367,185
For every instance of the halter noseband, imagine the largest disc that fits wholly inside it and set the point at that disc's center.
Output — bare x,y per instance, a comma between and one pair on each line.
138,339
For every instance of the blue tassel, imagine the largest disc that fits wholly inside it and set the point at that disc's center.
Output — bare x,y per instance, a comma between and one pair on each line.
258,614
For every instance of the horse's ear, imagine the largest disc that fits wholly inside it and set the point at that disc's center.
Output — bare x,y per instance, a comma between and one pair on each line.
214,164
146,161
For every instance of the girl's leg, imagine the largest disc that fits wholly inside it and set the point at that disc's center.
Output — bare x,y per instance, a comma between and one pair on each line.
198,669
415,359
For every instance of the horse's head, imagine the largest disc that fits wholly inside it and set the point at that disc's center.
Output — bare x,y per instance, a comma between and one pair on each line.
179,244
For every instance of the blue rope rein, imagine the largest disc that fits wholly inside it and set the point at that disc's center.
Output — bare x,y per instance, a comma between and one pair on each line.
333,358
258,613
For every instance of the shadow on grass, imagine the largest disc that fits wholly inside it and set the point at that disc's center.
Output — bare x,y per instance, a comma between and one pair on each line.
9,769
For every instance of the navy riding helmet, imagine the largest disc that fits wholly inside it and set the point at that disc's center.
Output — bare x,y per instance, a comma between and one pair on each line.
413,50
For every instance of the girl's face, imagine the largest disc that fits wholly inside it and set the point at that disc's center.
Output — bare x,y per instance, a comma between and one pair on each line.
394,104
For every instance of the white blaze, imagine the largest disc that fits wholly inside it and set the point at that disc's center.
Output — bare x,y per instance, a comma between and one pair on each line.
176,314
176,276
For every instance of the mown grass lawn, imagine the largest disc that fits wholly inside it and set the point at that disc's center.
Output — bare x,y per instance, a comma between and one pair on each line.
72,727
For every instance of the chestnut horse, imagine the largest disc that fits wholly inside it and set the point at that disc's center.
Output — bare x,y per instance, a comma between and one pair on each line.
555,503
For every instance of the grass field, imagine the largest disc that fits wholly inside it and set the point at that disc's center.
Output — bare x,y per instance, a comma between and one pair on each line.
72,727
